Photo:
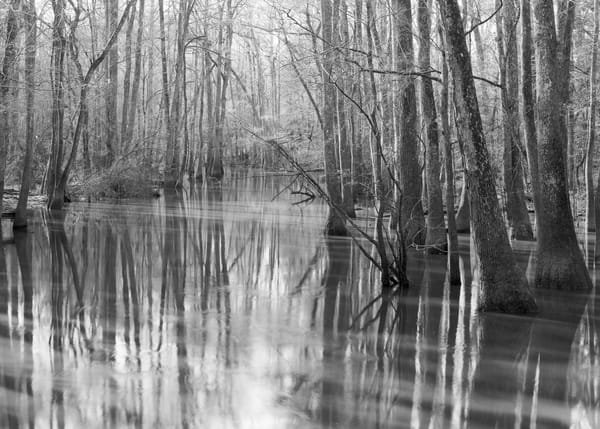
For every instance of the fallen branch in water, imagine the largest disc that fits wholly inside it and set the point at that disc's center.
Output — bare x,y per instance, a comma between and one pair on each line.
398,265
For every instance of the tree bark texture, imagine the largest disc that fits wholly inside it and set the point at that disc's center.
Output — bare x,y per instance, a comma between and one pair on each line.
516,208
527,84
30,52
59,47
503,285
560,263
6,76
453,256
591,137
112,123
342,39
409,169
335,222
436,240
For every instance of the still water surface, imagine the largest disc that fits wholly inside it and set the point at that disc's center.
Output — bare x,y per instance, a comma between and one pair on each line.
220,308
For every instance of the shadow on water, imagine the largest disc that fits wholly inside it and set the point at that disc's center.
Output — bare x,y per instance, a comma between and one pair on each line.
220,307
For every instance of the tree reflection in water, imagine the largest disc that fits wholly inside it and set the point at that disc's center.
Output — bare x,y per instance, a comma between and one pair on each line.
218,307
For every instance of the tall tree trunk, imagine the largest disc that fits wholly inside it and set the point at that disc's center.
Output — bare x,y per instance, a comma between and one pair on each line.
463,215
376,149
172,158
215,148
503,285
335,222
6,76
61,174
59,47
528,101
135,87
566,21
127,81
356,123
516,208
453,256
165,73
560,263
436,239
409,170
591,150
342,39
30,53
112,124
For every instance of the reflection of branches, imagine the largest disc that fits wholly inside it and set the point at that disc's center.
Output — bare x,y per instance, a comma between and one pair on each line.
321,192
241,252
365,309
311,266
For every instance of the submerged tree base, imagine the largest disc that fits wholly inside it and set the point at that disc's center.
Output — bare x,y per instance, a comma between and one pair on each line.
561,269
510,300
511,294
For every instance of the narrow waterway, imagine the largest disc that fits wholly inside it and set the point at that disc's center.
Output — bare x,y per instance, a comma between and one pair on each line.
222,307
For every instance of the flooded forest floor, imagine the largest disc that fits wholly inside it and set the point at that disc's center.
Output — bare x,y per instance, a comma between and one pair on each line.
222,307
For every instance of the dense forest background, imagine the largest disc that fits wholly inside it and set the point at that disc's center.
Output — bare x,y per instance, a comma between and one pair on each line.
413,108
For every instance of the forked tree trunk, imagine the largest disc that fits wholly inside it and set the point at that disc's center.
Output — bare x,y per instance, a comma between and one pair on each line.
60,174
30,52
560,263
503,285
215,151
436,240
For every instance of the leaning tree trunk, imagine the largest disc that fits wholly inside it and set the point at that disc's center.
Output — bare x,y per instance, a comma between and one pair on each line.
516,208
409,170
30,52
503,285
335,222
436,239
560,263
6,76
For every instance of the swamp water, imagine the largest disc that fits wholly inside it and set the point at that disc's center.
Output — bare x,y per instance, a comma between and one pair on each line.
221,308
